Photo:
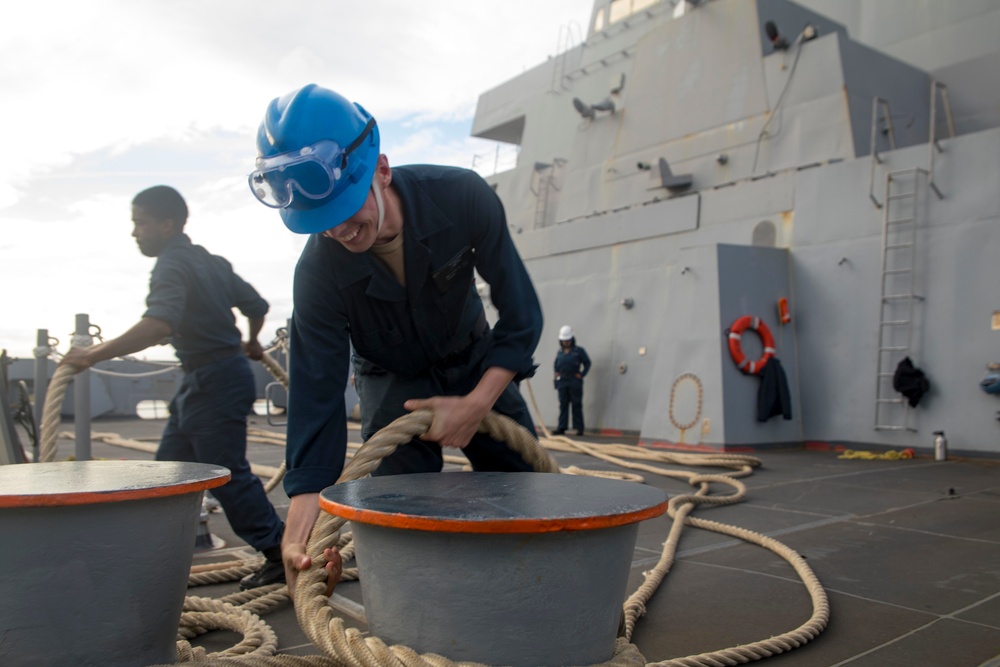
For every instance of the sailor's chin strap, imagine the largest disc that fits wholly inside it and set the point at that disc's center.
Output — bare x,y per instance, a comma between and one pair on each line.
380,205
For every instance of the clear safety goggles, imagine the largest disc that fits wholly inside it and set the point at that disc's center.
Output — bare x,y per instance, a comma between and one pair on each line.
311,172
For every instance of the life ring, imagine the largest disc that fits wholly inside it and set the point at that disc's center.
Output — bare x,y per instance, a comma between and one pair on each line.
736,350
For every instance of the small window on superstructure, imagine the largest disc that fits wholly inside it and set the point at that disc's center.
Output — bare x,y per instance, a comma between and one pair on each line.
618,10
622,9
599,20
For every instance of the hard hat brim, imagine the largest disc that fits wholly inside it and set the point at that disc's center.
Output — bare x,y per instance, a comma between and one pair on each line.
334,212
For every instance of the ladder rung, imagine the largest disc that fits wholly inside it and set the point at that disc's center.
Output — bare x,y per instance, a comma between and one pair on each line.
897,271
886,427
889,400
897,246
898,297
892,323
902,195
886,375
899,221
894,348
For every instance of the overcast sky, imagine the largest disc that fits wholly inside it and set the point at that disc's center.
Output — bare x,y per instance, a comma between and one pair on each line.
101,99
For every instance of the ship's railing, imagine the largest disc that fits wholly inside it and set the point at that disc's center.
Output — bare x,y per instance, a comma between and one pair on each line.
937,90
879,104
502,158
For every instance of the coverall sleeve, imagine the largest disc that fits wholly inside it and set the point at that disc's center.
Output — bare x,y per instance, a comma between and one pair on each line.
319,358
167,296
247,299
519,326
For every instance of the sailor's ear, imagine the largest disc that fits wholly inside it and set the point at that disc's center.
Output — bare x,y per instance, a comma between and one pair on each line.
383,171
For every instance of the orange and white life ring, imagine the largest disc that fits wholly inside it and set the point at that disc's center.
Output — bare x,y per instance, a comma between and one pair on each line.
736,350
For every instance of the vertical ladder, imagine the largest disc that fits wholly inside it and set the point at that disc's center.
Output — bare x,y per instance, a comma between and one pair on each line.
903,192
565,42
542,201
898,298
547,175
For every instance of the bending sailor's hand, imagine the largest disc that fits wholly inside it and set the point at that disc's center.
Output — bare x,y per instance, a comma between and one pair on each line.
455,419
302,512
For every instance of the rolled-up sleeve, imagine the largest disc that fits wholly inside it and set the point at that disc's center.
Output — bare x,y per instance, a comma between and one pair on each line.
167,292
247,299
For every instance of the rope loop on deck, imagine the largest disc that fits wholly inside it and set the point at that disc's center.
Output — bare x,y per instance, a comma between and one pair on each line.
342,645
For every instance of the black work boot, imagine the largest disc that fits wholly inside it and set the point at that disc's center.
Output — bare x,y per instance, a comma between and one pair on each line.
271,572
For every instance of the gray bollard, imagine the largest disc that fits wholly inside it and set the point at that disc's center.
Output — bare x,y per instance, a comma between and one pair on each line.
520,569
95,559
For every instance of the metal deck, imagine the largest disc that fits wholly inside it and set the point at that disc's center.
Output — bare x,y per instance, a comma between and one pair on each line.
907,550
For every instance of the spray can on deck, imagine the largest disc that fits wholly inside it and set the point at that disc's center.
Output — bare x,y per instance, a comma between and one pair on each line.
940,446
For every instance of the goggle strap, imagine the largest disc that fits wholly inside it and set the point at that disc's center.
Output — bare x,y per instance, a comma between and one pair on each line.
357,142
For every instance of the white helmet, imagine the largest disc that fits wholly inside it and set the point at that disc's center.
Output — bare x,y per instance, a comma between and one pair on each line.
566,333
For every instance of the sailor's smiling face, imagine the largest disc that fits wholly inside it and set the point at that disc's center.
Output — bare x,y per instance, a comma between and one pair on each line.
151,233
363,230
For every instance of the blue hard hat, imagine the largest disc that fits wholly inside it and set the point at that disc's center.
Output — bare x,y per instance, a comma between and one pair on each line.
317,153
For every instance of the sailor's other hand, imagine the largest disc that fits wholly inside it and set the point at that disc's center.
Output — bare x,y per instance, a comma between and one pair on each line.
296,561
77,357
254,350
334,568
454,422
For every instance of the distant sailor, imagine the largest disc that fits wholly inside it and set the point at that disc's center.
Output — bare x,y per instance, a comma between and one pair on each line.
389,267
571,366
191,297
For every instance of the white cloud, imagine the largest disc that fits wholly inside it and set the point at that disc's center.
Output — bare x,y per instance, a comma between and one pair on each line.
106,97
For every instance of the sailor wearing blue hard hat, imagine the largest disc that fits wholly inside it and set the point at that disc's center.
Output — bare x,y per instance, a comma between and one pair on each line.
317,154
389,270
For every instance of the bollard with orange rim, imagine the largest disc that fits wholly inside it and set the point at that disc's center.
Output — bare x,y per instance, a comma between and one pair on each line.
95,558
519,569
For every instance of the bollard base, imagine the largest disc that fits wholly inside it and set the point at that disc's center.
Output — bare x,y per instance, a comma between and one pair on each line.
94,567
519,569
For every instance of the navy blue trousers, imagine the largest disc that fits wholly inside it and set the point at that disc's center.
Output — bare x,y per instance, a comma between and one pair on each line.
382,395
571,395
208,424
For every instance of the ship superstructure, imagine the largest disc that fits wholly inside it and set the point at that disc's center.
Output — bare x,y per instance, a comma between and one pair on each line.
691,163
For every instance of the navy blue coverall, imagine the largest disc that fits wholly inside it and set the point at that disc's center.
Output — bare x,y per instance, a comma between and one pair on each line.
571,362
195,293
429,338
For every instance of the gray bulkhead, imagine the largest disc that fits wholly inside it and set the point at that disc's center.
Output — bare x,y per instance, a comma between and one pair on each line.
777,145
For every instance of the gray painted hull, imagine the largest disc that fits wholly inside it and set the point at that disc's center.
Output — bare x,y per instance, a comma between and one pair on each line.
786,201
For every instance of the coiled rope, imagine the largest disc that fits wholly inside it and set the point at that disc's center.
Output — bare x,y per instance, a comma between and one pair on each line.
342,645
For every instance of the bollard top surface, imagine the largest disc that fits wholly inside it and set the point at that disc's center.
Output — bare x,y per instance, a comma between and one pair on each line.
493,502
87,482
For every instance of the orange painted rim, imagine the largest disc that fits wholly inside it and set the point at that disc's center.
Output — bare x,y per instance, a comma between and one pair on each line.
493,526
27,484
96,497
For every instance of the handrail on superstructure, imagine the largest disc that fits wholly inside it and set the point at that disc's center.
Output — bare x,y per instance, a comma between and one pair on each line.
937,86
878,102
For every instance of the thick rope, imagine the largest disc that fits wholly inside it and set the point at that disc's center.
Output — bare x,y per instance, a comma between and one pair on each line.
329,634
347,645
52,413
